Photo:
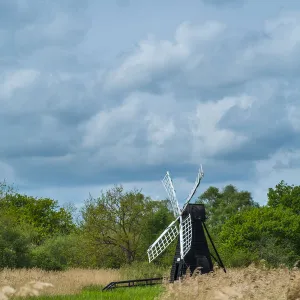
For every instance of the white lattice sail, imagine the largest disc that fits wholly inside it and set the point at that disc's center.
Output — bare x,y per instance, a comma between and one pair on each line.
163,241
184,230
168,184
186,235
192,192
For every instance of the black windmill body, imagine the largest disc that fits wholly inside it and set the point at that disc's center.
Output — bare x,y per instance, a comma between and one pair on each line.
192,251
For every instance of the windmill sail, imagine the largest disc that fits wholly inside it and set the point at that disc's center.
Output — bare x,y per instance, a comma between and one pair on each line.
186,235
193,191
168,184
163,241
184,230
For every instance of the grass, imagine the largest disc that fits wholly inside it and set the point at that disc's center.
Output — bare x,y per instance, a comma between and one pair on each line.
136,293
71,284
245,283
68,282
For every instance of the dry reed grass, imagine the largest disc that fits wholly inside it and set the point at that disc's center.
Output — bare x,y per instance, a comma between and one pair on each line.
31,281
32,288
248,283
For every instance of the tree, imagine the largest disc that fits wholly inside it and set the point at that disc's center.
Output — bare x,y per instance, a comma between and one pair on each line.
155,225
285,195
61,252
117,224
221,205
43,214
14,244
258,233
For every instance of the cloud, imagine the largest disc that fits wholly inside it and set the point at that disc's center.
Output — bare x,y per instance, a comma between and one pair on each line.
206,57
224,2
16,80
208,94
163,61
32,30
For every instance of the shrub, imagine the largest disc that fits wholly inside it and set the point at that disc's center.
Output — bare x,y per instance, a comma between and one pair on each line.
61,252
14,244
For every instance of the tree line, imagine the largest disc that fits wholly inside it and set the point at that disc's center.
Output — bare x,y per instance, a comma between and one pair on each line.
117,227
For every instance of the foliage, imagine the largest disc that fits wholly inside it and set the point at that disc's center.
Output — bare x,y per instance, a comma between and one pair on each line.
43,214
161,217
287,196
221,205
26,223
116,229
117,225
14,244
265,233
61,252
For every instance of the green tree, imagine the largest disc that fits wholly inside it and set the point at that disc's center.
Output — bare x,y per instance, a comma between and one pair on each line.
221,205
285,195
61,252
14,244
160,218
118,224
261,233
37,232
43,214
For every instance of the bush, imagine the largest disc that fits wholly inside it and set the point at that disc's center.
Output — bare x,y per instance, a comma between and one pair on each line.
14,245
61,252
277,253
267,233
237,258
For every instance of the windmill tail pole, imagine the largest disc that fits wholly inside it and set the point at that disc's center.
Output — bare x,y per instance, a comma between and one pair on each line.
215,249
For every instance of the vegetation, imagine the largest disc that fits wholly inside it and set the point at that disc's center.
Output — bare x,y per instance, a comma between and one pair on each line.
253,282
116,228
119,226
246,232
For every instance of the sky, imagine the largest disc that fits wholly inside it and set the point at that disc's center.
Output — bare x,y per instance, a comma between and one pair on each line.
96,93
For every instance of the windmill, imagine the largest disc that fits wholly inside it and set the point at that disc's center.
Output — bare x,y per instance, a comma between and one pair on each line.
188,227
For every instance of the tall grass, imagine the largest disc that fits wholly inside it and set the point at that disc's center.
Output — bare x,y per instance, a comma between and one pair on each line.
245,283
64,282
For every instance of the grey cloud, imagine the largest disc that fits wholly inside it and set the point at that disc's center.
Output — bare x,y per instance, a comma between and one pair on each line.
224,2
209,57
266,123
37,172
43,118
40,33
34,136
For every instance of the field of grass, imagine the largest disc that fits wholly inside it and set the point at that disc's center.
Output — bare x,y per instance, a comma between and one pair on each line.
64,283
247,283
72,284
